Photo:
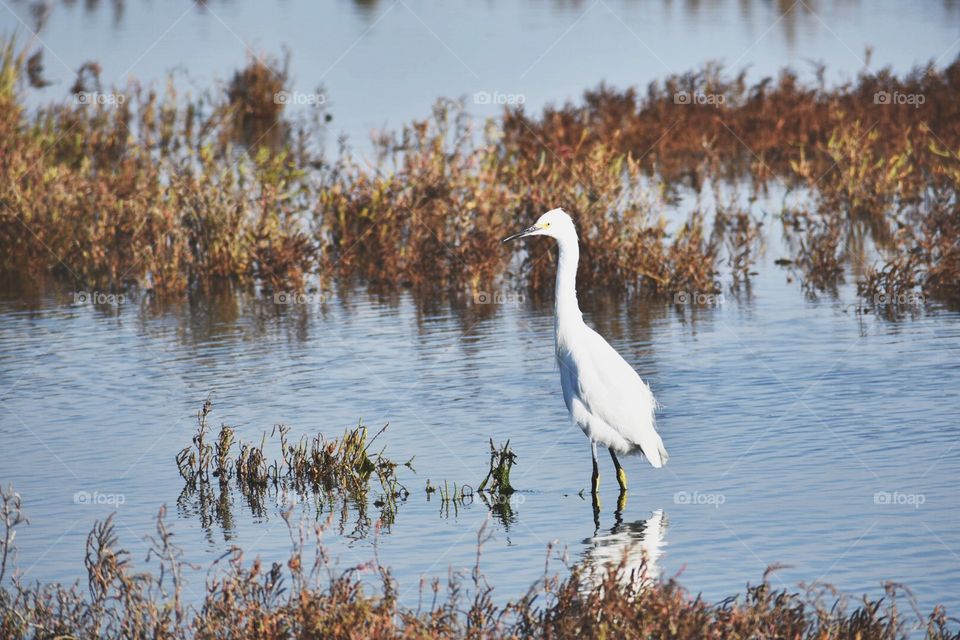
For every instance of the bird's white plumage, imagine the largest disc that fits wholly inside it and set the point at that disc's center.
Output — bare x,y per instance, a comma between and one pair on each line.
604,395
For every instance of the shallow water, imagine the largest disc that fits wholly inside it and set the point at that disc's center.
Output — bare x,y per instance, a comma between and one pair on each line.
786,419
380,64
799,431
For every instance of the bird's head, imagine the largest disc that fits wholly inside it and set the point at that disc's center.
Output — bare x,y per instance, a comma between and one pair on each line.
554,223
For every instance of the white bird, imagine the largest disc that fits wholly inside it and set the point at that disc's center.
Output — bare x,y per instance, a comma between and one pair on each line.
604,395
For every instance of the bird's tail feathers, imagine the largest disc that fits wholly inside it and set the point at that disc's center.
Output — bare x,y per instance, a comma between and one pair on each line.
664,456
654,451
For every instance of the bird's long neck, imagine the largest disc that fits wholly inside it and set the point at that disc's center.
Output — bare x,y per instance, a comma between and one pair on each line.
566,307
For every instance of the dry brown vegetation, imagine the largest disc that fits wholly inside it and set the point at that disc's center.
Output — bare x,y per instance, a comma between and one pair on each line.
310,598
877,156
173,193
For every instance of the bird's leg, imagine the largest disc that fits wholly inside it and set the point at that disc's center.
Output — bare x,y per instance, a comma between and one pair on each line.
595,484
621,474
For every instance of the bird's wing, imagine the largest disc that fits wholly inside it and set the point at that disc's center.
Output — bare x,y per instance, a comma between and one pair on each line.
610,389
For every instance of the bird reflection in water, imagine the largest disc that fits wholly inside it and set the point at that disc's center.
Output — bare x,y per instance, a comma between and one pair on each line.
633,549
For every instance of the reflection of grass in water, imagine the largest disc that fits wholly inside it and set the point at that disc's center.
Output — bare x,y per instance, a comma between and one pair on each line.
325,472
320,472
496,491
309,597
454,496
450,495
152,191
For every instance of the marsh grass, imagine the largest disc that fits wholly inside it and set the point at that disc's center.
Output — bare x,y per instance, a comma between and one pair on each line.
310,597
254,106
173,193
871,165
497,480
327,473
450,495
496,491
819,248
741,235
330,475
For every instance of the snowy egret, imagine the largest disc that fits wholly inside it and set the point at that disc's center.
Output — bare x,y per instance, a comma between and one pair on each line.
604,395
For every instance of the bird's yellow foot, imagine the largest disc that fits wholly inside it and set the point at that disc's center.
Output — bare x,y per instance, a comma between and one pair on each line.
622,479
622,501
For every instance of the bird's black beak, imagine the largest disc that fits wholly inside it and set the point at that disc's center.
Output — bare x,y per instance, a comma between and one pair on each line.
522,234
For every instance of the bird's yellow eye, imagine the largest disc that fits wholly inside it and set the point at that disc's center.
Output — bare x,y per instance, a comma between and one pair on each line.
546,225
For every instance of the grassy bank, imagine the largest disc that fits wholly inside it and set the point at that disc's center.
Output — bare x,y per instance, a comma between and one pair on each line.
173,193
310,598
